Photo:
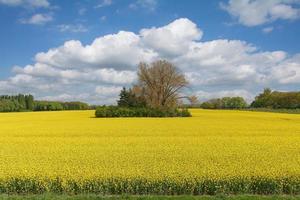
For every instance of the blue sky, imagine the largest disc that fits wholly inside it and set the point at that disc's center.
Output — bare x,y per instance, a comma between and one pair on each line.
251,45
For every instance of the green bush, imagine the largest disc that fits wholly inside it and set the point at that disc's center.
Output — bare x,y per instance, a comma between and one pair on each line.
115,111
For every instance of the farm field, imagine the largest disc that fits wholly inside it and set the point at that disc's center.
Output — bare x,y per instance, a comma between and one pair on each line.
212,152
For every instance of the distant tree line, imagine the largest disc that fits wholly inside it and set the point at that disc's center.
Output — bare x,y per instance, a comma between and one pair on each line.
16,103
277,100
225,103
57,105
267,99
21,102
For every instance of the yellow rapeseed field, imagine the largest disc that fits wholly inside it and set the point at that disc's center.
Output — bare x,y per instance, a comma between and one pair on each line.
211,145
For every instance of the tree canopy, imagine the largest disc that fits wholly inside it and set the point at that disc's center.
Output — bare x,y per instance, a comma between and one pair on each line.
160,83
277,100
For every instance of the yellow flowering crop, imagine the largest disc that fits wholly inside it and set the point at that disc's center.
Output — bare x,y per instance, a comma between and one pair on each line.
76,148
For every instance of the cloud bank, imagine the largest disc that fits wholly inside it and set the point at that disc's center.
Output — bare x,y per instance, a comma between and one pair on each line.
26,3
96,72
257,12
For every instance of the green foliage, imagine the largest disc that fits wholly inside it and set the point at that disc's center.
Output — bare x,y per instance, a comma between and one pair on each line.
53,196
277,100
16,103
47,106
140,186
7,105
29,102
225,103
22,102
129,99
116,111
57,105
75,105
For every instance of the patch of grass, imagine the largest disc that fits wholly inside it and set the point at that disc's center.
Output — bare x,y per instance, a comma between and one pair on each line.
97,197
119,186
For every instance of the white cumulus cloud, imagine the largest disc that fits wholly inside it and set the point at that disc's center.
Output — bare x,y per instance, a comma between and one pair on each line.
37,19
173,39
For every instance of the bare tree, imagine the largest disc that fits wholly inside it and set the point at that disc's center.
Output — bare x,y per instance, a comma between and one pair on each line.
193,100
160,83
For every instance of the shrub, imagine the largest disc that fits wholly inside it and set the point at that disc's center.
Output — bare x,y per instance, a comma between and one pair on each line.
115,111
